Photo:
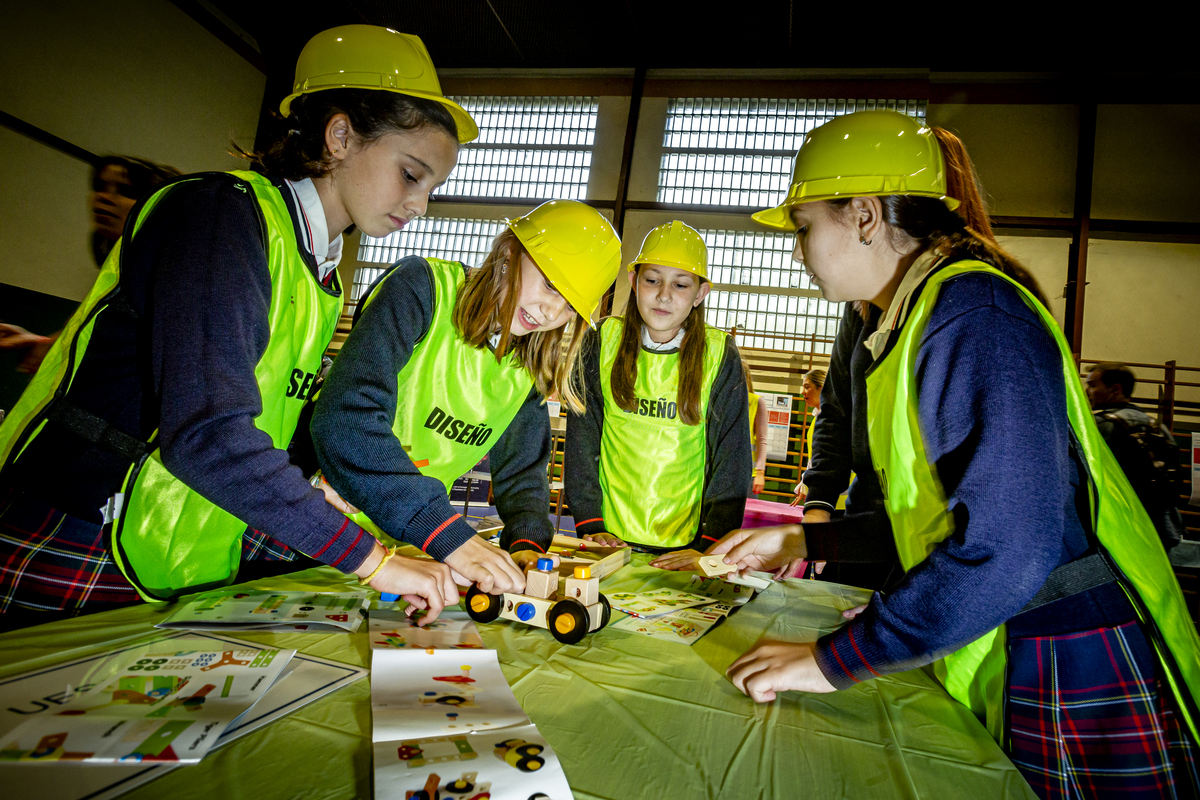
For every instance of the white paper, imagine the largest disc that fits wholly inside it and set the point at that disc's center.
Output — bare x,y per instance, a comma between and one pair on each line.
686,626
511,764
655,603
41,692
158,703
452,630
779,424
243,610
418,693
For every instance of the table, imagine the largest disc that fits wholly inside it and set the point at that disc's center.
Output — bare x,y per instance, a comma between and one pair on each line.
629,716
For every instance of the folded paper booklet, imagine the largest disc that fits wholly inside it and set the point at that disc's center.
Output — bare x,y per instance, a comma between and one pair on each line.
721,590
166,702
242,610
657,602
444,719
685,626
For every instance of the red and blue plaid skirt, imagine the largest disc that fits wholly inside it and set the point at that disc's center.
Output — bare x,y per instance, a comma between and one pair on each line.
1089,717
53,562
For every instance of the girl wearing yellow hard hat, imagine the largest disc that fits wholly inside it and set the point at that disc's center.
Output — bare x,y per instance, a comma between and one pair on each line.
147,458
447,364
661,458
1035,582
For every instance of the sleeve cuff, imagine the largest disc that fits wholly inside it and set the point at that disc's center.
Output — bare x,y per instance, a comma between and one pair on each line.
347,549
840,657
527,532
590,526
437,534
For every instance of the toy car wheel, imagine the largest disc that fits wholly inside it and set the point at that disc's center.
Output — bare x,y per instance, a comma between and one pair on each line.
568,621
481,606
605,614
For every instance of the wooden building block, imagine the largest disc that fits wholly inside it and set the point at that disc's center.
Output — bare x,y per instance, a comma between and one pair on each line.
715,565
586,591
512,609
541,584
604,561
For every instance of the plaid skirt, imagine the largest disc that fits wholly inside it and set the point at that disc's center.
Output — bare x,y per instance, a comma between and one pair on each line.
1089,717
51,561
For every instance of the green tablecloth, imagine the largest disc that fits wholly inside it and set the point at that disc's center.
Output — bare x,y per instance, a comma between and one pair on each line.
629,716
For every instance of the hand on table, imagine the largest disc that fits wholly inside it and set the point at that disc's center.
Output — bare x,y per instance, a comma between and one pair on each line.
801,492
424,583
772,667
776,548
604,539
488,567
678,559
527,559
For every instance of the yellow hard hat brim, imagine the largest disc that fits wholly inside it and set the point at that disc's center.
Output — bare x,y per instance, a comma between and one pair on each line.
668,262
467,129
780,217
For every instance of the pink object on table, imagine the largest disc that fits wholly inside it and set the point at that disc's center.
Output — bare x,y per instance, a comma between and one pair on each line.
765,513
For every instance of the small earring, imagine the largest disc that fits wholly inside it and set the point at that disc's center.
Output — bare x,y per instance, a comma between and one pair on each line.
865,241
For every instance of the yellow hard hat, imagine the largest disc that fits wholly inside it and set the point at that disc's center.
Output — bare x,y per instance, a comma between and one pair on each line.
674,244
861,154
576,248
371,57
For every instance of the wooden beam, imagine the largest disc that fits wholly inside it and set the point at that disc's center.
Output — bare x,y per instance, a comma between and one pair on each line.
47,138
1077,257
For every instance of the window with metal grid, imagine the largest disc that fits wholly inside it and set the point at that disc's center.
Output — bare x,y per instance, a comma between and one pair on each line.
747,266
535,148
738,151
451,238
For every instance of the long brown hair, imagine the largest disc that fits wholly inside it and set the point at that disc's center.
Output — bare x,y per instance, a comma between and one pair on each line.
691,360
486,303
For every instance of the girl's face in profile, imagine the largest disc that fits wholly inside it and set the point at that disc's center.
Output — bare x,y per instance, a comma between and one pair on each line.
539,305
811,393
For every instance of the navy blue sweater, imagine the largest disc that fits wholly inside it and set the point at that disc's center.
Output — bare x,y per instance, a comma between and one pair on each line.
992,409
181,360
363,459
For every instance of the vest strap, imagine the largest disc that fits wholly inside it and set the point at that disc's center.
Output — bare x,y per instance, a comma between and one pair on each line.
97,430
1072,578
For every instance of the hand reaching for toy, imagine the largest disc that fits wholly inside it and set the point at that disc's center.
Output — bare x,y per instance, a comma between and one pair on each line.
424,583
678,559
527,559
604,539
772,667
488,567
762,549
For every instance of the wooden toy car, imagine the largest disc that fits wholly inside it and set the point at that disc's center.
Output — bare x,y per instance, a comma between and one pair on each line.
569,615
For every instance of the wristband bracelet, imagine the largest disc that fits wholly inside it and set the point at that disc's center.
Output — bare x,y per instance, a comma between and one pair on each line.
391,551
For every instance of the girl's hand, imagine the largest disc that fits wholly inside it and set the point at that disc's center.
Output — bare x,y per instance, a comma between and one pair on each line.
760,483
678,559
424,583
488,567
604,539
851,613
772,667
14,337
334,499
762,549
527,559
801,492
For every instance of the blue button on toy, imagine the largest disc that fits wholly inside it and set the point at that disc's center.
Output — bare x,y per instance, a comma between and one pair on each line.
545,564
525,611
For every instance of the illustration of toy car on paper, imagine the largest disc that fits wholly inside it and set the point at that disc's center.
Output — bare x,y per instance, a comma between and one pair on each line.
520,754
580,610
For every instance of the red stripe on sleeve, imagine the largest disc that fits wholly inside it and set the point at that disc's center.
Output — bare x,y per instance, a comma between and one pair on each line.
438,530
861,657
842,664
586,521
341,530
529,541
357,539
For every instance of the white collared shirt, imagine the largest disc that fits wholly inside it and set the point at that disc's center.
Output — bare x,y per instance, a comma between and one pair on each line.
650,344
897,312
315,230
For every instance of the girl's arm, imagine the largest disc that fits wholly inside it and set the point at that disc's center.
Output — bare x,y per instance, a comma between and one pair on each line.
760,436
581,470
352,423
208,297
727,481
519,461
993,416
829,467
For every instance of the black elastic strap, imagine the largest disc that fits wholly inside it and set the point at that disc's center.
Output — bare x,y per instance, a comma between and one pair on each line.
1077,576
96,430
